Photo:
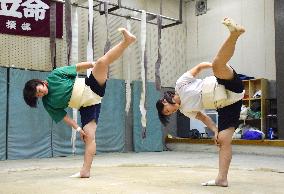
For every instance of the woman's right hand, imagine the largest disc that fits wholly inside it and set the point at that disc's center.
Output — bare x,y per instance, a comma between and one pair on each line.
82,133
216,138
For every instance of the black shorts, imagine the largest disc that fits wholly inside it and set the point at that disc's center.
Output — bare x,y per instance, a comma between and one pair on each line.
92,112
229,115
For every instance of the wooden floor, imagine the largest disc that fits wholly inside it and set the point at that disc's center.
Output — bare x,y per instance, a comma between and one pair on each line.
266,142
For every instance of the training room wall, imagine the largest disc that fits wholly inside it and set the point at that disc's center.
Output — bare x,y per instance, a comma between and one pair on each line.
183,46
255,51
196,39
34,53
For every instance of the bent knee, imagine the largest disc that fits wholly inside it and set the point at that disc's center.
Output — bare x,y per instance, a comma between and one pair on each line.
224,142
225,138
223,72
101,61
89,137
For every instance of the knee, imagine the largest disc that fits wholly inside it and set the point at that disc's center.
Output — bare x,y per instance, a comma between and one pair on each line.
89,138
224,141
100,61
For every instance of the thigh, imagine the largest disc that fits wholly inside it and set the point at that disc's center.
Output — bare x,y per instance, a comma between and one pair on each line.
95,86
228,116
89,114
235,84
225,136
223,72
100,70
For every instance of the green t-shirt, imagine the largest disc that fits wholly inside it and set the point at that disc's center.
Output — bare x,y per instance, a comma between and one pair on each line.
60,86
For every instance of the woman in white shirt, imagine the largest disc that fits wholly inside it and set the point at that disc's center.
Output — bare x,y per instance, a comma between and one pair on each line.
223,91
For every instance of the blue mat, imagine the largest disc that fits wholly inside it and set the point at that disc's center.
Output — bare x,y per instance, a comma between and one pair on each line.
153,140
110,136
3,110
29,129
61,138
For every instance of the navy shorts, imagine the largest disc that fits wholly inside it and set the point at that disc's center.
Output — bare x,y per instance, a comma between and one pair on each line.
92,112
229,115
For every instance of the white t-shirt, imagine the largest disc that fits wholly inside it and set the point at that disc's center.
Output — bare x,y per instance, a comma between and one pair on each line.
189,90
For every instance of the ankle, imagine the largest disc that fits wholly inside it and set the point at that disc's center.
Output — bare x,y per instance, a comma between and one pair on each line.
221,179
84,173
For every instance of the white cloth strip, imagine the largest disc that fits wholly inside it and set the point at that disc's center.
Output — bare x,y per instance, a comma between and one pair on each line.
143,47
108,43
128,80
90,51
74,60
73,137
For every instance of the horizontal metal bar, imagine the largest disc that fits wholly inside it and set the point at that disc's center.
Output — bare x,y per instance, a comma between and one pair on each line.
123,7
170,25
138,10
109,10
138,19
117,6
97,5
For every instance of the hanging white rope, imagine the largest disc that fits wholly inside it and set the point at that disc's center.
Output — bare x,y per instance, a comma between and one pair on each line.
143,48
74,60
128,80
108,43
90,52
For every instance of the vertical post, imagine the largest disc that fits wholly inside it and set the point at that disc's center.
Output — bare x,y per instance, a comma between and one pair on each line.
53,33
68,28
7,109
180,10
279,56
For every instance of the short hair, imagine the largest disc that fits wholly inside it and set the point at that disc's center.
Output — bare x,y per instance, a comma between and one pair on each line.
29,92
168,96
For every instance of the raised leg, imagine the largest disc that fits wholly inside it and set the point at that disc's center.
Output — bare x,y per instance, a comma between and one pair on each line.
220,65
100,69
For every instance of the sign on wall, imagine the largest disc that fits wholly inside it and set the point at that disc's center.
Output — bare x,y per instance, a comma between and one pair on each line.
29,18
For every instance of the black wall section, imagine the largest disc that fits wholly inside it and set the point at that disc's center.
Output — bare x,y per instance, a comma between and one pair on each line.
171,128
279,56
183,125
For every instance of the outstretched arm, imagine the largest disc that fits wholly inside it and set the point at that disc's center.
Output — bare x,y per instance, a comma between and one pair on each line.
198,68
70,122
209,123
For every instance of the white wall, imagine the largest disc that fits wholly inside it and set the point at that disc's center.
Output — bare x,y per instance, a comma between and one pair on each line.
255,50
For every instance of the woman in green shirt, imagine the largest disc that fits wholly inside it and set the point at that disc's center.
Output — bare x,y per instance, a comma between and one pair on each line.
62,89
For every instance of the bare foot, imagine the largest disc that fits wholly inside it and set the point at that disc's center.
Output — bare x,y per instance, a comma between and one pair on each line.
233,27
222,183
128,37
215,183
80,175
84,174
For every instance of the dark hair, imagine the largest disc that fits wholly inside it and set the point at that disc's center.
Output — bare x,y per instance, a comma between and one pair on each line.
168,96
29,92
